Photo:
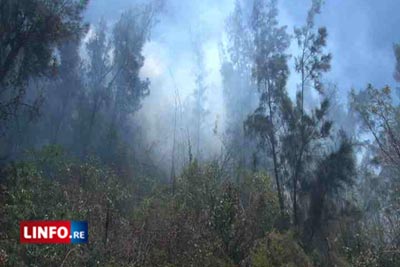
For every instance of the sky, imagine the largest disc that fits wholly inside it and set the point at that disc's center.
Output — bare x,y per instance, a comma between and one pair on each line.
361,34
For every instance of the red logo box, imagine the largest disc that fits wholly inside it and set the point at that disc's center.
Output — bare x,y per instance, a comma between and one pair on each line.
45,232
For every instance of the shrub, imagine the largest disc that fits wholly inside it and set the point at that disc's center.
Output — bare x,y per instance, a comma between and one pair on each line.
277,250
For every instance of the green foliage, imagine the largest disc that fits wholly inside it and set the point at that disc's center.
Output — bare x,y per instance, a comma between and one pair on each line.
379,190
129,36
270,71
208,222
225,211
379,114
306,134
25,192
306,129
279,250
113,182
380,117
30,31
168,236
312,61
73,191
333,174
197,187
261,201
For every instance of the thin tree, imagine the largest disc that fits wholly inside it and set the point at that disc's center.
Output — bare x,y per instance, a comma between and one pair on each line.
270,72
311,63
200,111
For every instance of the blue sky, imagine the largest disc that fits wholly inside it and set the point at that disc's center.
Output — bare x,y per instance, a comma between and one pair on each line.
361,33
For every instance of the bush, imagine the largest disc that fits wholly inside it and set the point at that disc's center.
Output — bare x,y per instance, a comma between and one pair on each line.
277,250
60,189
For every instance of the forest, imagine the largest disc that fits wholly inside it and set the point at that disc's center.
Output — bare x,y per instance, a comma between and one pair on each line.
201,133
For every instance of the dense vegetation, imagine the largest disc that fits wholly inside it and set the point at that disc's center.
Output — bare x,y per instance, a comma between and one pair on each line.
291,187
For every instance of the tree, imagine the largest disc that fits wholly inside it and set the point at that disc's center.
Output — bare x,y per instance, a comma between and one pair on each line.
270,72
333,173
199,110
302,143
64,90
240,96
311,63
30,30
380,117
129,35
99,81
